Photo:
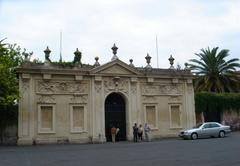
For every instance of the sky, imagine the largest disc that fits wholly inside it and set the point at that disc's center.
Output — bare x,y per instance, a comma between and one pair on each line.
182,28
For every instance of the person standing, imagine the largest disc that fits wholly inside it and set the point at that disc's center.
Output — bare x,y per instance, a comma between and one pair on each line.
140,132
135,133
146,132
113,133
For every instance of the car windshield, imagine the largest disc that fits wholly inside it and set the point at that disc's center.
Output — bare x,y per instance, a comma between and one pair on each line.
197,126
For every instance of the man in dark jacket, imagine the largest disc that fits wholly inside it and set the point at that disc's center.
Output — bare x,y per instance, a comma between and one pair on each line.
135,132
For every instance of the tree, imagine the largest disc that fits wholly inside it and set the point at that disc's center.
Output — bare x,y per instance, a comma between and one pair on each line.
11,56
214,73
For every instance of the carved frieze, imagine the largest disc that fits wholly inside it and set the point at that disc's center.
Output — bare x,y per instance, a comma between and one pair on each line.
79,99
61,87
110,86
46,99
149,99
161,89
174,99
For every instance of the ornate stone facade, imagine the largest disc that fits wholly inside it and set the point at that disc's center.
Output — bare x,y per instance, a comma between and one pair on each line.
68,105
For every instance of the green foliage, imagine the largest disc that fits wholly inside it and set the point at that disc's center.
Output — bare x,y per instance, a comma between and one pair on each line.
209,101
9,59
11,56
214,73
64,64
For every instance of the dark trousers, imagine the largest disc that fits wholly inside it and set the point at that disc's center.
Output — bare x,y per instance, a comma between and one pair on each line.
140,136
135,137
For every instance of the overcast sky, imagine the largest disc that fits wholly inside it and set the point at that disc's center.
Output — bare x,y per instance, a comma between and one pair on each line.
182,27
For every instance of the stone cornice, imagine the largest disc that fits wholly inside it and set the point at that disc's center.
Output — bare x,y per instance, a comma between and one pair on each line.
89,71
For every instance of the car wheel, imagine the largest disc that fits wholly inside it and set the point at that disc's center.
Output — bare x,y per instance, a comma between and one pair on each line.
194,136
221,134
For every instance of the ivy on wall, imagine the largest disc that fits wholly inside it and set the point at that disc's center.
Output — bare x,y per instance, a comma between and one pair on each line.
209,101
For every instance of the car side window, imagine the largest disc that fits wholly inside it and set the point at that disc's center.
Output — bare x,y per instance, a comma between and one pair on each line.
206,126
214,125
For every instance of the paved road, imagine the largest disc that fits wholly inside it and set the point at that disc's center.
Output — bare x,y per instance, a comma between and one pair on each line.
171,152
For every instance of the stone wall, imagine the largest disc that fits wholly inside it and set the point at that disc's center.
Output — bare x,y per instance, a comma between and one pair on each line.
231,118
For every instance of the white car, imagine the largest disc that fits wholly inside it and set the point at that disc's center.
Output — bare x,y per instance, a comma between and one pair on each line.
208,129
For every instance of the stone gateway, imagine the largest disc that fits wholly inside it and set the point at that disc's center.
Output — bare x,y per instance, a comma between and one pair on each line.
79,103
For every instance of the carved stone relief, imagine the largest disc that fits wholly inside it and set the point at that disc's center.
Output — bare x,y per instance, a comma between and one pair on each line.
162,89
149,99
133,88
79,99
174,99
25,85
46,99
61,87
98,86
110,86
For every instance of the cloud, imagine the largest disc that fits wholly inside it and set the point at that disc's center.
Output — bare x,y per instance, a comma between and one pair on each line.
183,28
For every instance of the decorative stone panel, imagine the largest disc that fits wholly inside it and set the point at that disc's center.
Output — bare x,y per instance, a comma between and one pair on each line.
25,86
149,99
174,99
110,86
61,87
98,86
162,89
79,99
46,99
133,88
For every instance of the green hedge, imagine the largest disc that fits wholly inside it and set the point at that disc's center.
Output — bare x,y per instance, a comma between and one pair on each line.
208,101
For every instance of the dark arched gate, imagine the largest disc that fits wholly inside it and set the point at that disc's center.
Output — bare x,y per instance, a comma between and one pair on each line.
115,115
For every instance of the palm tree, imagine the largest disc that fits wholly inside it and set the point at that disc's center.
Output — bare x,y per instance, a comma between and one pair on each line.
214,73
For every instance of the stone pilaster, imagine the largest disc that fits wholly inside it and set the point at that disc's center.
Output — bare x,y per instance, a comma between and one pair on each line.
134,111
26,114
189,104
98,134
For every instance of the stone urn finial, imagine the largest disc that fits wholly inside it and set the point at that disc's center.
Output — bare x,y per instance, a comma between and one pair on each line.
131,63
26,57
171,61
77,57
148,59
96,64
47,52
114,49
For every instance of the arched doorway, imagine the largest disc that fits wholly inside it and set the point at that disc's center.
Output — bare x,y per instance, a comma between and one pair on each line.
115,115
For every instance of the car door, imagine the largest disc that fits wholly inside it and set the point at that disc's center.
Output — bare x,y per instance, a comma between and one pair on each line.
215,128
206,130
